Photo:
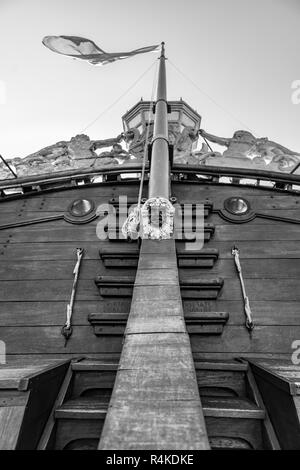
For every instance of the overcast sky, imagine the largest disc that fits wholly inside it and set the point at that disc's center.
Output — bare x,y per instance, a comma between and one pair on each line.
244,54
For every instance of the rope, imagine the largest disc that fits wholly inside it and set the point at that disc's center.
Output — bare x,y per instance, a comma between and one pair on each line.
249,322
206,141
8,166
210,98
67,329
119,98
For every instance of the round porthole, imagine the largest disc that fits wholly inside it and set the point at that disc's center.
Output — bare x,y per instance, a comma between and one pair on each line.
237,205
81,207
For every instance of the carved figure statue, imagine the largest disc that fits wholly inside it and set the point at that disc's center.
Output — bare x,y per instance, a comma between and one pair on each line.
183,141
183,145
136,141
237,146
244,150
115,156
79,152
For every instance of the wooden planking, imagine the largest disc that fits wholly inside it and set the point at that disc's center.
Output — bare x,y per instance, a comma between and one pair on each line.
264,312
243,232
225,268
61,231
57,231
63,270
10,378
263,289
47,433
54,313
261,249
37,358
285,214
253,268
60,200
49,340
10,422
236,339
46,290
217,193
52,251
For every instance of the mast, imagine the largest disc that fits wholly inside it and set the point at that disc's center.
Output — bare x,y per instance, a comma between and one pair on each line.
160,168
155,402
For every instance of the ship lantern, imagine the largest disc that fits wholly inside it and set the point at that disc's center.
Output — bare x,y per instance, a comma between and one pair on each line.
180,116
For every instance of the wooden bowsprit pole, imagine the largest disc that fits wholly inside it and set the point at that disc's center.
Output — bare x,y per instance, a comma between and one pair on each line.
155,402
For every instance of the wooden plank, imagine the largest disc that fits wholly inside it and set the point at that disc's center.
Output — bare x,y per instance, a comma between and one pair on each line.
52,251
37,358
284,417
281,213
39,313
154,416
62,270
10,422
47,340
263,289
57,231
156,372
236,339
271,441
48,429
34,378
218,193
254,268
60,230
31,358
264,312
11,378
44,388
262,249
257,232
231,408
54,313
46,290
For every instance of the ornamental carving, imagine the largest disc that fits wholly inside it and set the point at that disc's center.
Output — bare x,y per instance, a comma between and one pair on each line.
246,151
79,152
183,141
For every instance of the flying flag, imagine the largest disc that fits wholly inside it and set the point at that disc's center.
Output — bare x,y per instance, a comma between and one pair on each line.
85,49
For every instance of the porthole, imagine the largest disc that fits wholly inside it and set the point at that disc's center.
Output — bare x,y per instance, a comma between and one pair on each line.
81,207
237,205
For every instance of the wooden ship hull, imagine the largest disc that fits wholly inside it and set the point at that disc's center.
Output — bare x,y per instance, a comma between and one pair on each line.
159,355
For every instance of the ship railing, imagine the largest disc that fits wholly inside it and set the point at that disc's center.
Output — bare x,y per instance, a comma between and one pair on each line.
15,187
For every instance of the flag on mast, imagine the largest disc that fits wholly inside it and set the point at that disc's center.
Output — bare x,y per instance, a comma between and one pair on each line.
85,49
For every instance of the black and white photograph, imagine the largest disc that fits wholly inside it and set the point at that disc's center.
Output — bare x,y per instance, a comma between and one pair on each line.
149,228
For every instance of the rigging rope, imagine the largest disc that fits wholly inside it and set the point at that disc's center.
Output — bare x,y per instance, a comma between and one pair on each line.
210,98
247,309
119,98
67,329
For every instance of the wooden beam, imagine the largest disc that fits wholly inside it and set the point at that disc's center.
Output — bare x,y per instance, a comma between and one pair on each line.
155,402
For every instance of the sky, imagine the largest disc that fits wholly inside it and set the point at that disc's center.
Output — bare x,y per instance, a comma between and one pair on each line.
239,59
